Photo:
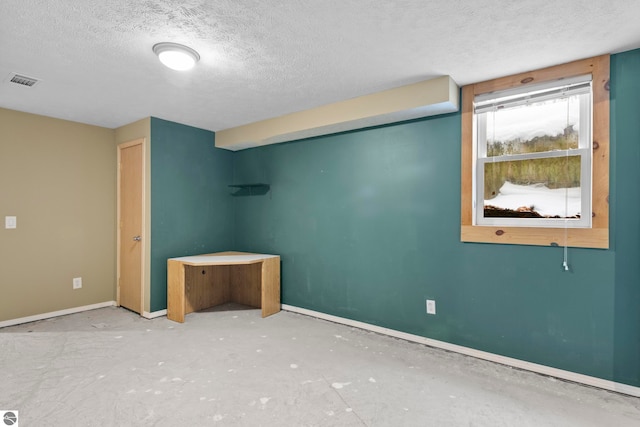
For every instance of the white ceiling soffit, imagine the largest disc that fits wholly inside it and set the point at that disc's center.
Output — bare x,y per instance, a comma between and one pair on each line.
422,99
268,58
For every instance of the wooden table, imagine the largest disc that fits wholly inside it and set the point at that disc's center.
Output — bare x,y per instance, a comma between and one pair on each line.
203,281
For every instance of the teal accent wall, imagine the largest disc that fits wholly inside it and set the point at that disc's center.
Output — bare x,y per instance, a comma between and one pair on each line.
368,227
191,210
625,134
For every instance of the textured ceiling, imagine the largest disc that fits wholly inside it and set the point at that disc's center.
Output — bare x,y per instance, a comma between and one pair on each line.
265,58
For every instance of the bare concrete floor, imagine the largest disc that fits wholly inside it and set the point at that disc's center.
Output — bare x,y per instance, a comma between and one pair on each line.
230,367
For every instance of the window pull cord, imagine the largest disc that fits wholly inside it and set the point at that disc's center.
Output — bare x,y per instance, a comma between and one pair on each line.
565,262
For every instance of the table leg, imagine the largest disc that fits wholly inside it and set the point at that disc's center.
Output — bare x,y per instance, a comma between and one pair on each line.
175,291
270,286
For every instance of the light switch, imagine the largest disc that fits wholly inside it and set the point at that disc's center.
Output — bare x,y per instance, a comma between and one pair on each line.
10,222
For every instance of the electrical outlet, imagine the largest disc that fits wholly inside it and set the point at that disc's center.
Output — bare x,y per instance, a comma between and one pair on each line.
431,306
77,282
10,222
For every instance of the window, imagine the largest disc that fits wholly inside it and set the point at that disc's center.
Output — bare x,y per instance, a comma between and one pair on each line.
535,157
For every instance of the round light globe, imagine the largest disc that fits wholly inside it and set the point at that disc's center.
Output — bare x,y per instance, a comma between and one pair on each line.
176,56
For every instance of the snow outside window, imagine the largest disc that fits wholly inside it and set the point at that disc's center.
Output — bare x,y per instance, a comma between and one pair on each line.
533,155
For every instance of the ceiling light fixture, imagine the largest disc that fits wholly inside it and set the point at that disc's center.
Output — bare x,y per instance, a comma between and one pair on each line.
176,56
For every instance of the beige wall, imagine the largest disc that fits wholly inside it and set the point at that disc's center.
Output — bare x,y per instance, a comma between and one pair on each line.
137,130
58,178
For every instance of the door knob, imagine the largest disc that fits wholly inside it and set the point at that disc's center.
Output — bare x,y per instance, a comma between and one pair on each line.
137,238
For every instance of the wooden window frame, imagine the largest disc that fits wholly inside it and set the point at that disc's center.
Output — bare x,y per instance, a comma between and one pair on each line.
597,236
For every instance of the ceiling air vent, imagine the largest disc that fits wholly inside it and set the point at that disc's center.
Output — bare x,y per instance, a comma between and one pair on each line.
23,80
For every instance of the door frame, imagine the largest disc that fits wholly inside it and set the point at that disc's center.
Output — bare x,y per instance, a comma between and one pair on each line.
143,242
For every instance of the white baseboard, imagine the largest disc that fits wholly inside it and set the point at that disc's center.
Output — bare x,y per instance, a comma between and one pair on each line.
154,314
49,315
516,363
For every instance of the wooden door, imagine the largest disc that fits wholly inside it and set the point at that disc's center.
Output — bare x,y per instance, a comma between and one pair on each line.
131,242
